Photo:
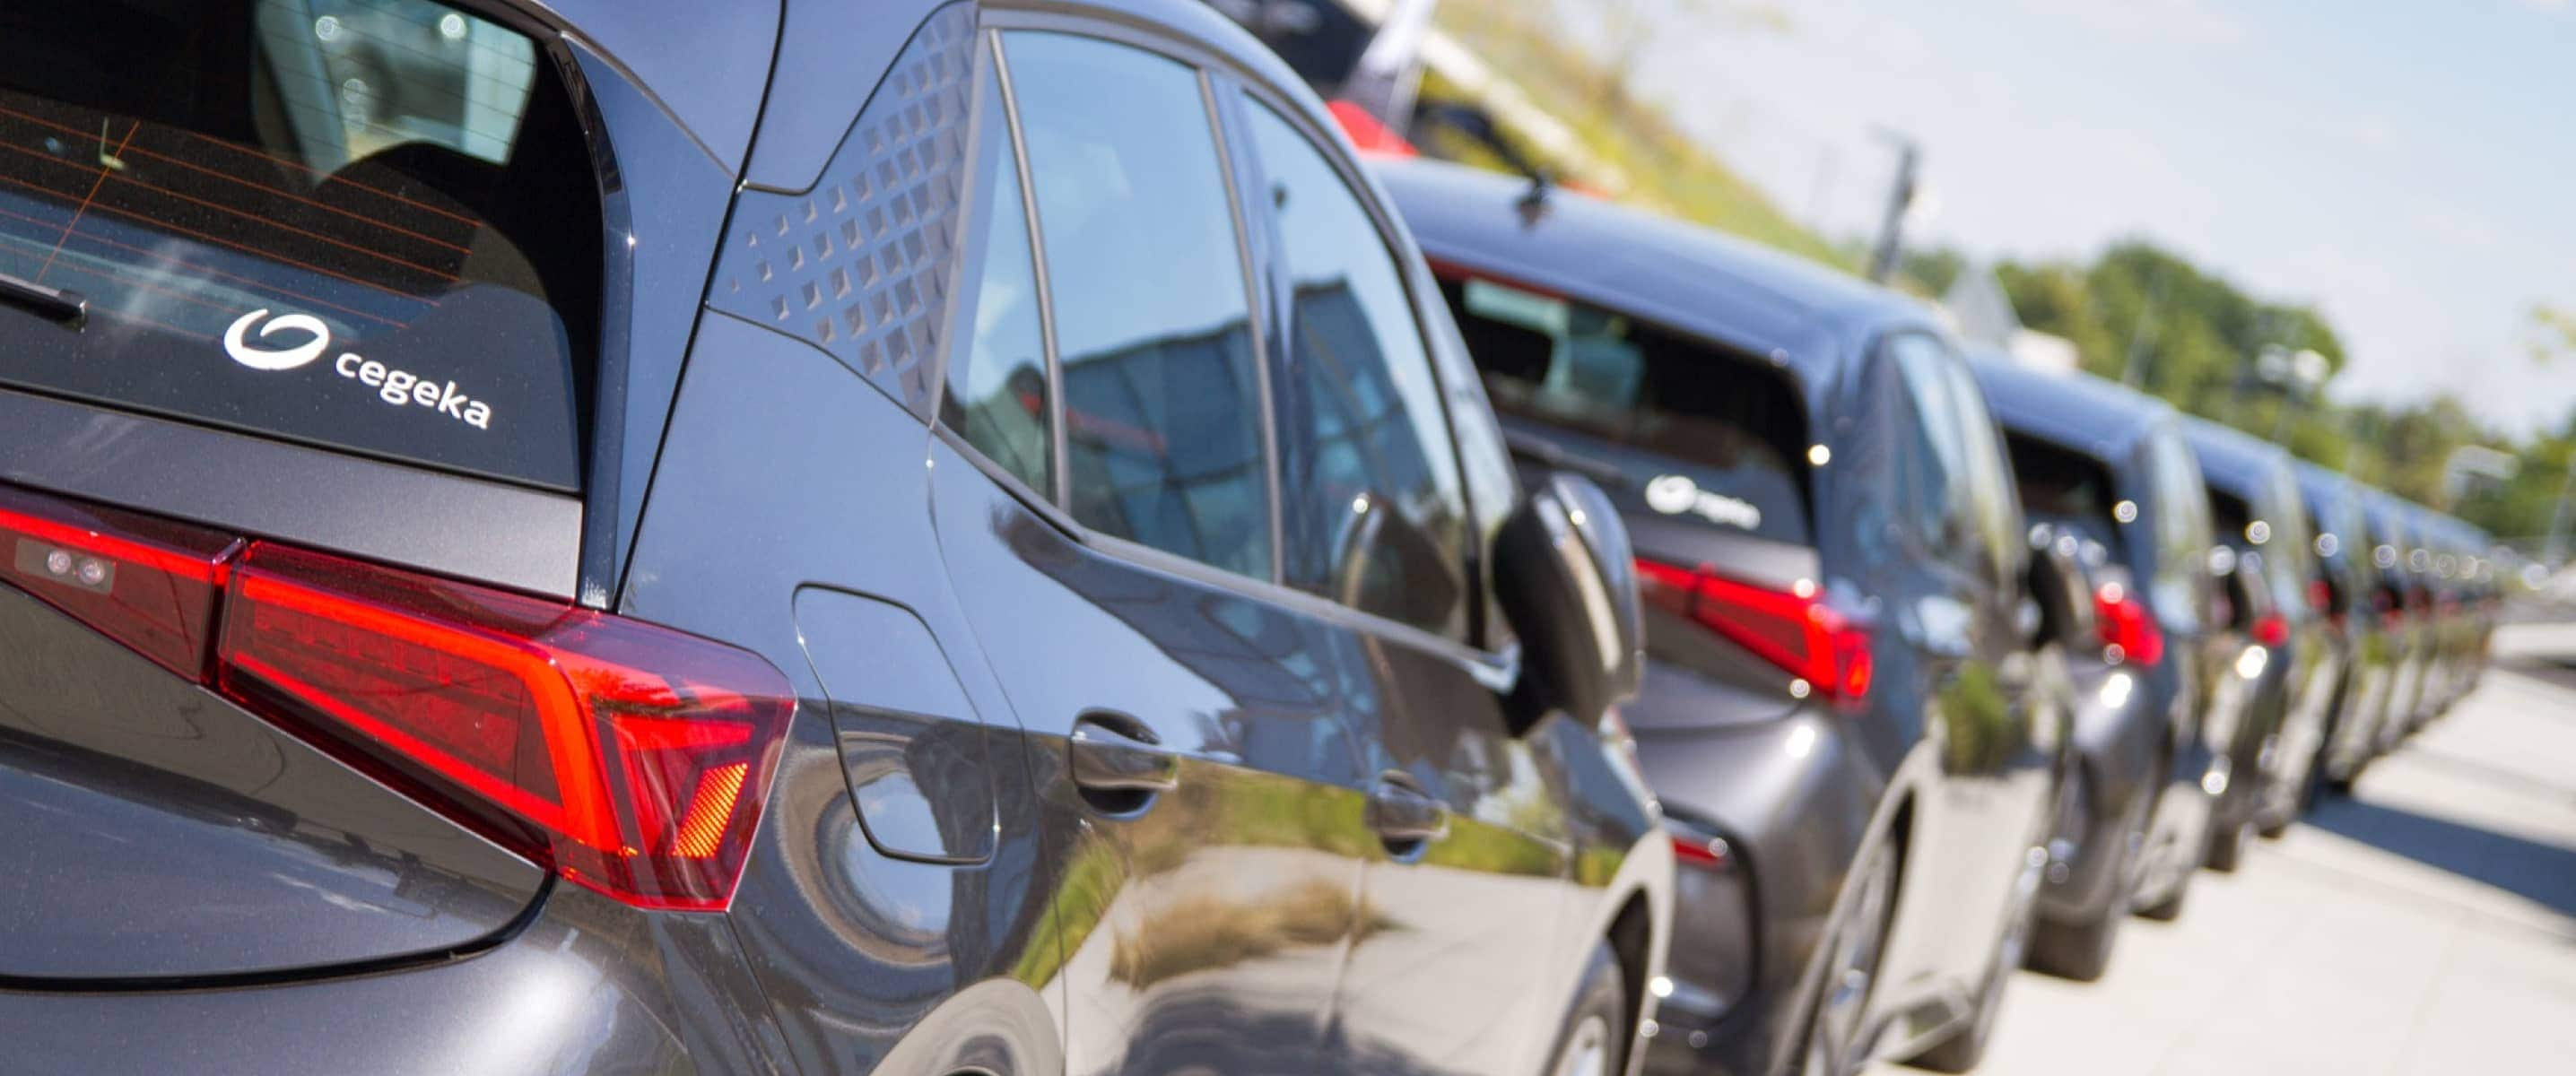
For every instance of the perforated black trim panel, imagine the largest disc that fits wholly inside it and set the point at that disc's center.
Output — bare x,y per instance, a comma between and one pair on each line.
859,265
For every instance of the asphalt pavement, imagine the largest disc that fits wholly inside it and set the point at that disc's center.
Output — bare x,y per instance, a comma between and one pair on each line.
2424,925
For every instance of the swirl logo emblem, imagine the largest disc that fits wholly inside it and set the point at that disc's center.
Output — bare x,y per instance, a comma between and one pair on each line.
260,358
1676,494
1672,494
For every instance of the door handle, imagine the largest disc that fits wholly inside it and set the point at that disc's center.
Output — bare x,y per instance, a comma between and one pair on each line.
1118,762
1406,818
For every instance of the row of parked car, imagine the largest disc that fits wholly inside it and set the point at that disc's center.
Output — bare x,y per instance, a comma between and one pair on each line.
1953,662
979,537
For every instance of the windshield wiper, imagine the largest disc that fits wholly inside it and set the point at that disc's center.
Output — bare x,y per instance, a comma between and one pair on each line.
55,304
1547,453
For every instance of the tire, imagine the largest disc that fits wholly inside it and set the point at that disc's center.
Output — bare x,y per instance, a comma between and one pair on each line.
1836,1011
2227,848
2082,951
1590,1041
2170,908
2300,802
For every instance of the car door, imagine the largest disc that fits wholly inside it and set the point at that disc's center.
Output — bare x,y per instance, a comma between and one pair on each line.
1467,881
1962,633
1105,491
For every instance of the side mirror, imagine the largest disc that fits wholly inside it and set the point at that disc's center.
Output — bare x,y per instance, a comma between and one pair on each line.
1566,577
2060,591
2246,596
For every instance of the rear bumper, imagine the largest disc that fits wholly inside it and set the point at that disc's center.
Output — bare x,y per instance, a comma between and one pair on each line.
2118,733
587,987
1794,798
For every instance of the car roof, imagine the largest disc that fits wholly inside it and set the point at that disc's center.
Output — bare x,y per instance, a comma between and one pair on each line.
834,54
2072,409
1806,317
2234,460
2389,512
2326,490
2320,483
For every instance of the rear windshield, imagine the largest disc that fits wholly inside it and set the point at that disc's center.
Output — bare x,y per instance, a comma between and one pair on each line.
1698,432
366,224
2067,489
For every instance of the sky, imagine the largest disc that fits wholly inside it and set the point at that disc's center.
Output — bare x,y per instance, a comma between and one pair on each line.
2409,167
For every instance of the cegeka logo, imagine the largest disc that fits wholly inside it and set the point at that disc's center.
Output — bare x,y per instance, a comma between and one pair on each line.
1675,494
395,387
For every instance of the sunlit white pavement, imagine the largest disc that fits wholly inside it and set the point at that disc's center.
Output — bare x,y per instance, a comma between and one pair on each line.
2425,926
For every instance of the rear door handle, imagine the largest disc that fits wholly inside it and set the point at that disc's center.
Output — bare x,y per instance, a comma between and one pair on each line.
1405,817
1116,756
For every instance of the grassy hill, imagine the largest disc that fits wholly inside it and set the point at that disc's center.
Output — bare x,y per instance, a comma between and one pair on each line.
1664,168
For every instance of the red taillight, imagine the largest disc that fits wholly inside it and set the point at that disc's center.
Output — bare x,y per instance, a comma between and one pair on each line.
1796,631
142,582
633,759
2272,629
2125,626
2320,596
638,756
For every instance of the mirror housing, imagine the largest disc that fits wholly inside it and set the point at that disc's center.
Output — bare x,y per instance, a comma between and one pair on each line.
1567,579
2246,592
2061,589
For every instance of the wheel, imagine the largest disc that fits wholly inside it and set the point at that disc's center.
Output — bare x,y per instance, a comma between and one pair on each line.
2082,951
1591,1043
2169,908
1967,1046
1831,1045
2227,847
2305,797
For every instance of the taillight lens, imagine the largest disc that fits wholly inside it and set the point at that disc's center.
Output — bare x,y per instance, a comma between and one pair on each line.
1792,629
145,583
638,757
2272,629
2128,632
633,759
2321,596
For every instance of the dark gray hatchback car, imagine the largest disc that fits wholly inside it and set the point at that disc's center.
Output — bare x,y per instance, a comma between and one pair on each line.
1858,731
661,536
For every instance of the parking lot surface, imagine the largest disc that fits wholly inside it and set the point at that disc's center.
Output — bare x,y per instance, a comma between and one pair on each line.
2424,925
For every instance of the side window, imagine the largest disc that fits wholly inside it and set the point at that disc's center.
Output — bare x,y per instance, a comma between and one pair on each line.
1162,406
2181,587
1932,466
1990,491
1369,489
997,397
